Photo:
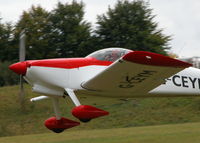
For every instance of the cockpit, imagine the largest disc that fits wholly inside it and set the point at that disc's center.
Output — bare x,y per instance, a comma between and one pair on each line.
109,54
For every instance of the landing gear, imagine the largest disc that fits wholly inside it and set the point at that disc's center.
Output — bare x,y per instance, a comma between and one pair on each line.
83,112
58,130
85,120
60,125
86,112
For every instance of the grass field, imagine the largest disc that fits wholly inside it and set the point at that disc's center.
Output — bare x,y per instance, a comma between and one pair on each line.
179,133
124,113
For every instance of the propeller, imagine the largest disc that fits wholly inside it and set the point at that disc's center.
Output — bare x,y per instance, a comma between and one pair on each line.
22,54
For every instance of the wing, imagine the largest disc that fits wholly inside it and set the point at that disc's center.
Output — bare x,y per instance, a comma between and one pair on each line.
137,71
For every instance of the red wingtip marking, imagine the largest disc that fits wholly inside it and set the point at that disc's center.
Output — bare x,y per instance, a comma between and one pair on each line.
148,58
63,123
88,112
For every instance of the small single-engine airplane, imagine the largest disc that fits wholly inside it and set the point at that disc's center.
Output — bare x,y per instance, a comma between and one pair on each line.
114,72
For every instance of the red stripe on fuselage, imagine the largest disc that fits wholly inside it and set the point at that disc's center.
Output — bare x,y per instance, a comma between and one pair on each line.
68,63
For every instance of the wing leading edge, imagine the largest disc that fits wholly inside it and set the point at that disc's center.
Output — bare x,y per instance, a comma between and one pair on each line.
136,72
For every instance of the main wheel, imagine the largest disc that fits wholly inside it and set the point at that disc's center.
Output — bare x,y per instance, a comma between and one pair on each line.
85,120
58,130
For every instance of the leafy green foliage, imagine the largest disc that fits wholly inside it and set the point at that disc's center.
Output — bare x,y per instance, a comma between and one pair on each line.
70,34
7,49
130,25
59,33
36,24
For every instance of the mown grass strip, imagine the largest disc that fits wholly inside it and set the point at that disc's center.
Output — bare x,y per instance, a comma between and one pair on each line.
177,133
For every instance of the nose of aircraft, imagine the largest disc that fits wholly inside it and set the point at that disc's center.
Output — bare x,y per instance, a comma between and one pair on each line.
19,68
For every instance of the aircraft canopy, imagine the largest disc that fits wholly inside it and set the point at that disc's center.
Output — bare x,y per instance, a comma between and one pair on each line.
109,54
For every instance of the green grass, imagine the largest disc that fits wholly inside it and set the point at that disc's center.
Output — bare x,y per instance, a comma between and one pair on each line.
123,113
179,133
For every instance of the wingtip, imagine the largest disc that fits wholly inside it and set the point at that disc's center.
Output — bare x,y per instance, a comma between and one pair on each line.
149,58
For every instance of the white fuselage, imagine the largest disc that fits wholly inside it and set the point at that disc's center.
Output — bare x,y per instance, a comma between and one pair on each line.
186,82
53,81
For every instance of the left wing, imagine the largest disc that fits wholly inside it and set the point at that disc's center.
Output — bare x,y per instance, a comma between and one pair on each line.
137,71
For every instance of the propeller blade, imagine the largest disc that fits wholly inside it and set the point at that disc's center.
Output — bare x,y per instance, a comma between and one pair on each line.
22,93
22,49
22,54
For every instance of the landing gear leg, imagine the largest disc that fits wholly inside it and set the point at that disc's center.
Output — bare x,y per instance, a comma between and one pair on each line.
84,112
58,124
56,108
73,97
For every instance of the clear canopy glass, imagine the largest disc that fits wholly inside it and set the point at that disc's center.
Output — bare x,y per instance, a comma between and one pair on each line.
109,54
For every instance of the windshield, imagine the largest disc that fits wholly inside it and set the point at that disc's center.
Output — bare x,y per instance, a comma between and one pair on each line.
109,54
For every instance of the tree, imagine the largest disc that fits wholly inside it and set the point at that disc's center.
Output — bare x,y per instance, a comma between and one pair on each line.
8,53
130,25
70,33
36,24
7,50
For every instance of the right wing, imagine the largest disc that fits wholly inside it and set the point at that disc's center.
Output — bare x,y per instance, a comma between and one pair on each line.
136,72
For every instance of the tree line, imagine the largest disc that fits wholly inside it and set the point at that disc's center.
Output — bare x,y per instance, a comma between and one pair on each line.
63,32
